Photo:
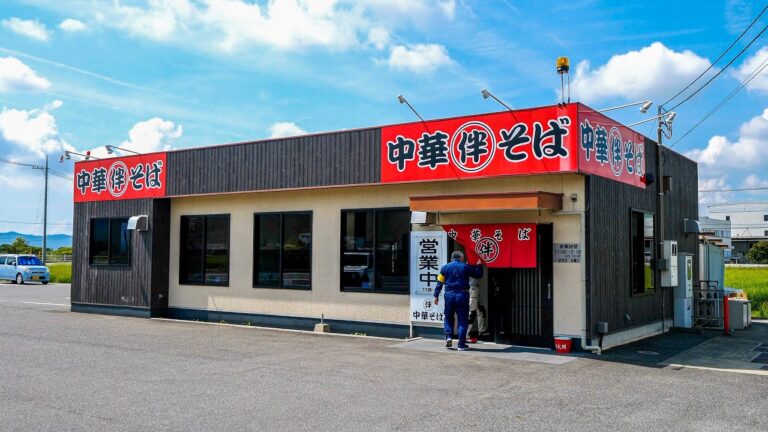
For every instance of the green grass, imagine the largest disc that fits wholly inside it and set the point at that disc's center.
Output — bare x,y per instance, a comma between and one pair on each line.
754,282
61,272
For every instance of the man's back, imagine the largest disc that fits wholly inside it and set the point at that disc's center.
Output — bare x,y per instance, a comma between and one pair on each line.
457,274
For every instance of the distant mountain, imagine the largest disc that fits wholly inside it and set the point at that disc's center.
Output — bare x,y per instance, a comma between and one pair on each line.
55,241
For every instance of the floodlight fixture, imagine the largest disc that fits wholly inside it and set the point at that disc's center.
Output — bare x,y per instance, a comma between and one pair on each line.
402,100
486,94
646,104
111,149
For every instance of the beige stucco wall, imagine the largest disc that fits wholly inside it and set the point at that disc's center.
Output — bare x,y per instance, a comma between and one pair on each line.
326,205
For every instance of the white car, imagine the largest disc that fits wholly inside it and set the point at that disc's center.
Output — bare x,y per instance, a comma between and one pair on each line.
23,268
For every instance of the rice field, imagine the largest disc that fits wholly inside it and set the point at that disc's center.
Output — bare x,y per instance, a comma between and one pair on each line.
754,282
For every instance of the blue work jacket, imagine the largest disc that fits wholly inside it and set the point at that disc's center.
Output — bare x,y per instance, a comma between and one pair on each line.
455,276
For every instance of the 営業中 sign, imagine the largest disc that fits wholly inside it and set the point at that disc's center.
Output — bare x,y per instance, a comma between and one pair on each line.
428,255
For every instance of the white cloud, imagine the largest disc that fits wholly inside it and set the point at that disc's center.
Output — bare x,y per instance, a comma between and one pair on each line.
413,10
723,156
419,58
56,104
16,182
653,72
31,29
285,129
17,76
714,183
231,25
152,135
379,37
754,181
72,25
750,65
34,131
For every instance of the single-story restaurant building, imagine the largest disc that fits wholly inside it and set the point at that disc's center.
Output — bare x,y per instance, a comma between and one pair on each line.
561,203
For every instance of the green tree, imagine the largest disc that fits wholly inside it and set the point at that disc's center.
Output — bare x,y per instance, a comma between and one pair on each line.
758,253
64,250
20,246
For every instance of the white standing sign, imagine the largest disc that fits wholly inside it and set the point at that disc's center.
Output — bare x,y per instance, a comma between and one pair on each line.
428,254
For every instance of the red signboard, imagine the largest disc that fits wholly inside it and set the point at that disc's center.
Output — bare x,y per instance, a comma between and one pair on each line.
531,141
553,139
609,149
497,245
130,177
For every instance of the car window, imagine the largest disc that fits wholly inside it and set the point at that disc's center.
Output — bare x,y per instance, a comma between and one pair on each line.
11,261
27,261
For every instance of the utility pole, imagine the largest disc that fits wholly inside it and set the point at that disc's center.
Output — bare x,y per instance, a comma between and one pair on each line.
44,169
45,213
660,207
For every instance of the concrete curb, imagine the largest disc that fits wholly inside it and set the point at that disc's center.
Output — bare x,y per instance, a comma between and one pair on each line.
277,329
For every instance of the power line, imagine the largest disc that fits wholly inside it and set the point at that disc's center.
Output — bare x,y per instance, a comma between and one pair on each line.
725,100
32,223
721,70
719,58
8,161
734,190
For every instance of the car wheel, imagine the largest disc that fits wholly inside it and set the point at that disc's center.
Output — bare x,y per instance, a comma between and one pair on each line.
45,282
19,279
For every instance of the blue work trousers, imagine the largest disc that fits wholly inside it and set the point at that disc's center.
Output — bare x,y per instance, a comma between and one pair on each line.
456,302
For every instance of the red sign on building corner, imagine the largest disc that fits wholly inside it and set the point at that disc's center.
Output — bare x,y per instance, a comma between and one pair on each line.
120,178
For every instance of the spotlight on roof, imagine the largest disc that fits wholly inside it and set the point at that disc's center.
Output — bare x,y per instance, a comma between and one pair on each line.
486,94
646,105
401,99
109,149
671,116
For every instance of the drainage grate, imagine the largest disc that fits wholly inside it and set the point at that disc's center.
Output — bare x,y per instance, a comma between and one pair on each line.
761,358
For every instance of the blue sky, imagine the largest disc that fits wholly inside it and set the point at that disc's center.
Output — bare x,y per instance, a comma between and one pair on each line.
155,74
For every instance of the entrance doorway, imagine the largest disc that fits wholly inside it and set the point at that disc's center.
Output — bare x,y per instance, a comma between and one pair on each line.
521,298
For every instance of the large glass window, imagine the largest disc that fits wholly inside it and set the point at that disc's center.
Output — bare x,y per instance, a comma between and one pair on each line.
643,252
204,250
282,250
374,250
110,242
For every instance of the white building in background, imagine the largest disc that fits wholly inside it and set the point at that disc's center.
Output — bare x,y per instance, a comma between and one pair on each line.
718,231
749,224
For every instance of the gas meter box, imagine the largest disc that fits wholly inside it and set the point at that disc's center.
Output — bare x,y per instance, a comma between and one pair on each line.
669,275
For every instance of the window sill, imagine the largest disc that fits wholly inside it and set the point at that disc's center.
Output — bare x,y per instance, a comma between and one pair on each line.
204,284
292,288
370,291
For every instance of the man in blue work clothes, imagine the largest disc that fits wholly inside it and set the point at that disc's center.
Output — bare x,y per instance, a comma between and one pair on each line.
455,276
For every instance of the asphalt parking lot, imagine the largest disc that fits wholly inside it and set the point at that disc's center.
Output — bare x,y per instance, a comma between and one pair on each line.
65,371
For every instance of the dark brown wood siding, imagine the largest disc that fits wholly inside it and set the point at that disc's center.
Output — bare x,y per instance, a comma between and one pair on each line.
161,253
339,158
608,241
136,285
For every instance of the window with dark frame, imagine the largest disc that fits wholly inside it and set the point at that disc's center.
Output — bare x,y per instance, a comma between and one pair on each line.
282,256
642,252
204,250
110,242
765,218
727,218
374,250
